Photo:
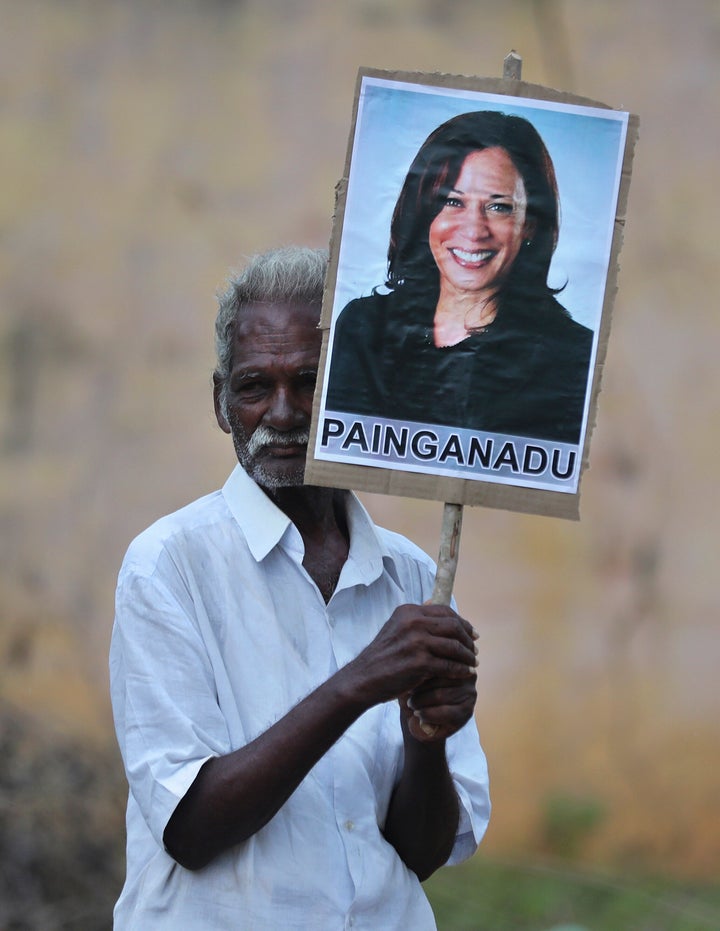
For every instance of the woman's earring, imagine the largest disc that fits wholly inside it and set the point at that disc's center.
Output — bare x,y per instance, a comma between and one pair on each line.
528,243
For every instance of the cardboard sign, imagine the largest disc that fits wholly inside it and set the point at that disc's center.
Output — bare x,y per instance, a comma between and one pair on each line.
467,309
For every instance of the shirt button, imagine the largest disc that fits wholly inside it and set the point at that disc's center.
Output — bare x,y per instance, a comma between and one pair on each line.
349,825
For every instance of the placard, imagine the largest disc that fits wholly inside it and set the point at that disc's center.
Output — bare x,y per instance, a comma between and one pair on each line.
472,273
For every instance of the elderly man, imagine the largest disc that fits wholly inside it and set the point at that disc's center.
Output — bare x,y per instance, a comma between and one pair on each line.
296,724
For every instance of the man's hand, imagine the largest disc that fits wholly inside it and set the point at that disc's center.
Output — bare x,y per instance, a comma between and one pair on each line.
421,644
438,646
438,708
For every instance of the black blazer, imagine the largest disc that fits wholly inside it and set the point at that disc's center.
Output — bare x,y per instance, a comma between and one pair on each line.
525,375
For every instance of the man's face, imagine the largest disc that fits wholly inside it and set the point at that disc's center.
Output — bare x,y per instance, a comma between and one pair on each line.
270,391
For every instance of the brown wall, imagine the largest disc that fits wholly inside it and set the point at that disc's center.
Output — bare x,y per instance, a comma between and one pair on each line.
145,148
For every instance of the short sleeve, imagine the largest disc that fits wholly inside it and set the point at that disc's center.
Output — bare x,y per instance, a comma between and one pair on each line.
163,692
468,767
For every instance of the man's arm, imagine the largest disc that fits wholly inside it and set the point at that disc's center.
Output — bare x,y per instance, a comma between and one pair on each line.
424,810
233,796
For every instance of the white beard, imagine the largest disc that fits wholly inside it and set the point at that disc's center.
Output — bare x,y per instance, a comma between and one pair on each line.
248,447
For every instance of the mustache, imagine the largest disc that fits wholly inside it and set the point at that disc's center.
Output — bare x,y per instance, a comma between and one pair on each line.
267,436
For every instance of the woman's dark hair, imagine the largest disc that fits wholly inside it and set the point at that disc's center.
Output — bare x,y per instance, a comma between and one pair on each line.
435,171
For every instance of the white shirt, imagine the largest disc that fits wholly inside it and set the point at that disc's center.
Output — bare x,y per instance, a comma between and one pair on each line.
219,631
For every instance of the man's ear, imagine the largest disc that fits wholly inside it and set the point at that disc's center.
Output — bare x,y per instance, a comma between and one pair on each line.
218,385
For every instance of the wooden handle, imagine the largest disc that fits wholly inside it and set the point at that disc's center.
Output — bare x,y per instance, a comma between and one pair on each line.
448,556
452,513
512,66
446,566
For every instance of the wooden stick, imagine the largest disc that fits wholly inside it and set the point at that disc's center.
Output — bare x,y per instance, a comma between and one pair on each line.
512,66
448,557
446,566
452,513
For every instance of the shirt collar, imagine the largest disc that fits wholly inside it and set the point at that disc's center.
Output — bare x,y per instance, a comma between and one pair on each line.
264,525
369,553
261,520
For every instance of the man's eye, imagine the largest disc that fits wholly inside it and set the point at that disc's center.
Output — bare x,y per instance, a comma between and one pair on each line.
248,387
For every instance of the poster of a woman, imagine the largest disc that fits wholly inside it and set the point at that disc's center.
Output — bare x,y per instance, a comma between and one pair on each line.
471,274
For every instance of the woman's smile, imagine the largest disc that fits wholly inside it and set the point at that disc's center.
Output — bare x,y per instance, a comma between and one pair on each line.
471,258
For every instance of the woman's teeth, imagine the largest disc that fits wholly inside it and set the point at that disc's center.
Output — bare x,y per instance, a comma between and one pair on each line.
472,257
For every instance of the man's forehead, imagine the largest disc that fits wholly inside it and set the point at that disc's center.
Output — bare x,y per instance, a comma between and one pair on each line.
268,333
270,317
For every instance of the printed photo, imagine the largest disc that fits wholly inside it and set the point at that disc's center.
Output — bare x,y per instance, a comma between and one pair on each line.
471,271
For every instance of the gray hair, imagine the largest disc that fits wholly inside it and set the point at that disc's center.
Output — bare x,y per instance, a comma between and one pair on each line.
292,275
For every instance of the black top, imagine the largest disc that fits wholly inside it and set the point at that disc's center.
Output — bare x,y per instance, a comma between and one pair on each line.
525,375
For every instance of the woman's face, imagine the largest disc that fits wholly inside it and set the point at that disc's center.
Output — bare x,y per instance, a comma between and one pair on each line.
479,231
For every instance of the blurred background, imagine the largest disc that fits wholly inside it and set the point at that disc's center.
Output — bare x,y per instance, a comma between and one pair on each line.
146,147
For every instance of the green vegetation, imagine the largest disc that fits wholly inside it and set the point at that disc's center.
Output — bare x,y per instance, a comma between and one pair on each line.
485,895
568,821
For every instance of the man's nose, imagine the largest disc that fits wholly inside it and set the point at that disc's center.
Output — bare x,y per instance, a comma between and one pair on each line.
284,412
